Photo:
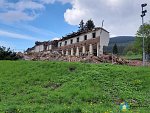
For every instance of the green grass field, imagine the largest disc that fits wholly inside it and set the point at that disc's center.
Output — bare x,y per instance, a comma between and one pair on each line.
61,87
133,57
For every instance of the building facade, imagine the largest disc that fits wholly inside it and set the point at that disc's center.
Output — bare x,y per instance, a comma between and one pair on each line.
89,42
84,43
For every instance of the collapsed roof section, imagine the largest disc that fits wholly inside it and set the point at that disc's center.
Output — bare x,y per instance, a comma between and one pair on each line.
53,42
75,34
71,35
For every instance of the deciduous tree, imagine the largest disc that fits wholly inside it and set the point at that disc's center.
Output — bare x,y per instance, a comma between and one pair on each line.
143,31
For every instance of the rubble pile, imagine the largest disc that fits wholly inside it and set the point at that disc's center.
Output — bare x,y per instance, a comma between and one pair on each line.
48,56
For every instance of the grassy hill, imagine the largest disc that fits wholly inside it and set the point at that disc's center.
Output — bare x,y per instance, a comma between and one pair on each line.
61,87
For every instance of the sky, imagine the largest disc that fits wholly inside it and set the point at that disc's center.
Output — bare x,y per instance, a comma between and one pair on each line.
22,22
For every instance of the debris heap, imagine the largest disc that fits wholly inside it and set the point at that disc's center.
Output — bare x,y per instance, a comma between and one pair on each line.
55,56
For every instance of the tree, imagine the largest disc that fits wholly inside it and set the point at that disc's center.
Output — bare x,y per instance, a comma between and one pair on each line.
130,47
115,49
89,25
7,54
139,38
81,25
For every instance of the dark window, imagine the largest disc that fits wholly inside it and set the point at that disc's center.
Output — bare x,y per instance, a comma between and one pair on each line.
65,42
71,41
93,35
85,37
78,39
60,44
45,47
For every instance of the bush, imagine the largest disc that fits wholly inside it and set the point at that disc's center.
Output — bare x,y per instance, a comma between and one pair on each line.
7,54
129,53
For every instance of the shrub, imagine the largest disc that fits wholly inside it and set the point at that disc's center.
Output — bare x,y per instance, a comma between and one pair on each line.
129,53
7,54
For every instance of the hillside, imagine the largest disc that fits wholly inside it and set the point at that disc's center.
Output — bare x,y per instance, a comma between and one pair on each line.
121,41
61,87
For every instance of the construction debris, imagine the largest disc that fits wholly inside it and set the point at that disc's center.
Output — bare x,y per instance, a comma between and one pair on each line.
48,56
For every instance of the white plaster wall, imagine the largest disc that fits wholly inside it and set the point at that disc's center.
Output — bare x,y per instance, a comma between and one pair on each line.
97,33
104,40
81,38
49,47
75,40
33,51
41,48
37,49
89,35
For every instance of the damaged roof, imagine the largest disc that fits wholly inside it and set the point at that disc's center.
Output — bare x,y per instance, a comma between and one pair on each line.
74,34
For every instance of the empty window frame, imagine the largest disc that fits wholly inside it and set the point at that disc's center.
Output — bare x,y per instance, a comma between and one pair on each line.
94,35
78,39
60,44
71,41
65,42
85,37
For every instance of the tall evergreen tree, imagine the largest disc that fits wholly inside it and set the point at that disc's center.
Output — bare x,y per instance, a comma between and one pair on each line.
115,49
81,25
89,25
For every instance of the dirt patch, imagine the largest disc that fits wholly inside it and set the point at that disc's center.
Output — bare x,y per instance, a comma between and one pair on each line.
52,86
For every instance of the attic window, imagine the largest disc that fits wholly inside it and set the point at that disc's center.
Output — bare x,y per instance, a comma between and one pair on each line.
65,42
71,41
78,39
93,35
85,37
60,44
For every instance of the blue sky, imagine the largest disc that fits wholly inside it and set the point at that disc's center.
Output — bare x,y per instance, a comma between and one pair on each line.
22,22
49,25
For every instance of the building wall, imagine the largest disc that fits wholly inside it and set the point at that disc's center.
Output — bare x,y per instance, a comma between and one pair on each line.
32,51
104,40
49,47
102,34
81,38
101,39
39,48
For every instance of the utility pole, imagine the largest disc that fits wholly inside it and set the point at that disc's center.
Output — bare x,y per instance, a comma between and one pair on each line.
143,14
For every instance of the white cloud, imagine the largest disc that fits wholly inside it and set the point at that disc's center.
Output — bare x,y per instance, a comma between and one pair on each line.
55,38
22,5
52,1
47,1
17,35
38,30
23,10
122,17
14,16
